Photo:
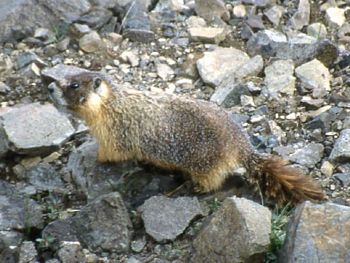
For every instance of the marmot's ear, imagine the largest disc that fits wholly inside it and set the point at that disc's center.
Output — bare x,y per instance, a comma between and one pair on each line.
97,83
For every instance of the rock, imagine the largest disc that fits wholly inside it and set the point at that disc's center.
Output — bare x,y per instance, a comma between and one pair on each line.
341,148
314,76
102,225
4,89
279,78
167,218
255,22
274,14
302,16
63,44
138,245
43,34
165,72
60,72
79,30
18,214
195,21
239,11
43,13
130,57
343,178
136,25
27,58
312,235
238,232
27,253
35,129
215,65
71,252
229,93
335,16
317,30
300,48
211,35
327,168
96,17
45,178
309,155
209,9
91,42
310,103
251,68
260,3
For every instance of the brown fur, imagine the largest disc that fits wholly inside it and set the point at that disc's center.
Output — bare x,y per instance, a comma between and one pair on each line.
172,132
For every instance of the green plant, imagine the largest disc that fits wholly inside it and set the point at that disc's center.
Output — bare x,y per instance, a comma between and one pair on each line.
214,205
279,220
44,243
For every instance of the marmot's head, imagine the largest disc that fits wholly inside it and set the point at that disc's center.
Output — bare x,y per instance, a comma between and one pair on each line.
80,91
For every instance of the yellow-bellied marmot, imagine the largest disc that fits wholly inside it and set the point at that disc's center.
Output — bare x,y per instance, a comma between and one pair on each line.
195,137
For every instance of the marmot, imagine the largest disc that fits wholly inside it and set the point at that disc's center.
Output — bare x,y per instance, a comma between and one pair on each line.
195,137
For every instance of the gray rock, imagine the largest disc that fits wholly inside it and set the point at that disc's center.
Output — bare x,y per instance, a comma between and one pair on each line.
27,253
79,30
102,225
302,16
32,14
261,3
309,155
228,94
166,218
45,178
4,89
92,178
274,14
255,22
300,48
71,252
96,17
312,104
343,178
314,76
279,78
213,35
313,236
130,57
252,67
27,58
138,245
18,213
238,232
209,9
91,42
60,72
215,65
317,30
35,129
341,148
136,25
165,72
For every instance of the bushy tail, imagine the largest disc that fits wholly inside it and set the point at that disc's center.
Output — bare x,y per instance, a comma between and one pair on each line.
281,182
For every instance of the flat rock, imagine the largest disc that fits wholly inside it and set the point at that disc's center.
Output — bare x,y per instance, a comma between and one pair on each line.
215,65
238,232
27,253
343,178
212,35
229,93
341,148
279,78
35,129
274,14
314,76
313,236
167,218
209,9
60,72
102,225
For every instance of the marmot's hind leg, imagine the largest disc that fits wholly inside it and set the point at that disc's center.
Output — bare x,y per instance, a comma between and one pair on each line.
209,182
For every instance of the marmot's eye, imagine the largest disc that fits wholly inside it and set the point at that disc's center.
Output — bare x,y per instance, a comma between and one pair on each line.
74,85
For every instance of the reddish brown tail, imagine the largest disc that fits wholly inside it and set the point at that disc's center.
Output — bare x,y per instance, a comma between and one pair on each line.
284,183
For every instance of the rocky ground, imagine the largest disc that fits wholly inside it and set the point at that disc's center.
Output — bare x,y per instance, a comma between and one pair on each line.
282,70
